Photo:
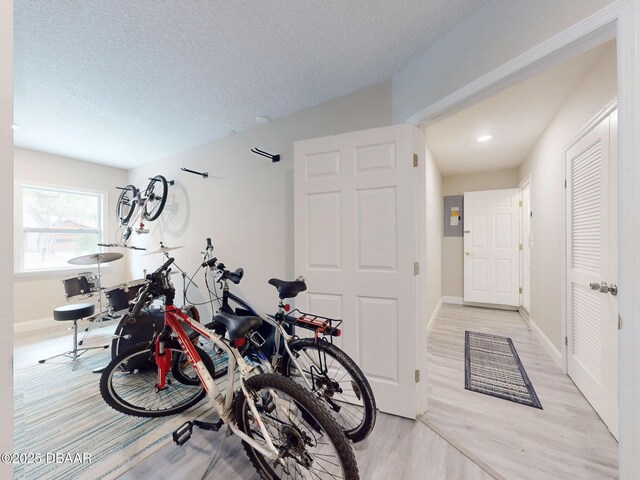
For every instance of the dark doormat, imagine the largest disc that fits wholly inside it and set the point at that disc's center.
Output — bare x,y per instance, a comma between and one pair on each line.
492,366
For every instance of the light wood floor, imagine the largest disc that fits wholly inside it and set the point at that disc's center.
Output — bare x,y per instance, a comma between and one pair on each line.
398,449
565,440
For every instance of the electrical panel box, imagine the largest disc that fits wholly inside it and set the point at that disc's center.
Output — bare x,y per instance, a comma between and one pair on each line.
453,215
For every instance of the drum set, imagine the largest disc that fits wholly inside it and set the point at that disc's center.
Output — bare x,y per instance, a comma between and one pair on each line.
113,302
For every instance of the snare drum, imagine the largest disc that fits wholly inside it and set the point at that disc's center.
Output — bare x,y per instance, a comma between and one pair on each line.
121,296
80,285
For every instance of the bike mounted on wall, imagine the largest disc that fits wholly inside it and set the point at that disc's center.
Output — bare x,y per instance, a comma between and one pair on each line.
135,206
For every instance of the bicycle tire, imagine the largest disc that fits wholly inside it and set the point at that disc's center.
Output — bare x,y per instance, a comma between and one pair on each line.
289,436
151,195
125,205
183,372
136,369
326,389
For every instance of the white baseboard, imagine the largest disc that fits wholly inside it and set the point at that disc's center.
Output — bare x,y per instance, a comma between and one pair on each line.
454,300
35,325
434,316
551,349
525,316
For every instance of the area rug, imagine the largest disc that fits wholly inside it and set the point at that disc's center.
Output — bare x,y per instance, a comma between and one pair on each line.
493,367
67,431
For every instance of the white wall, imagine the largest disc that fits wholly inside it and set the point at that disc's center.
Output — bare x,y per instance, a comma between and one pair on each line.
452,247
495,34
246,204
546,166
6,233
52,170
434,234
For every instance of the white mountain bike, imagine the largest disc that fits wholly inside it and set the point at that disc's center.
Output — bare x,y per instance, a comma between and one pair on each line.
285,430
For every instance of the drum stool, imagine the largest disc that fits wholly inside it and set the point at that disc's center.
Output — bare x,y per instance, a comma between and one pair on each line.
74,312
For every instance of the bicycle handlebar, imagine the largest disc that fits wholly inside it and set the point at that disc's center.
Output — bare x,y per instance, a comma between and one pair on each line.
235,277
143,294
164,267
210,263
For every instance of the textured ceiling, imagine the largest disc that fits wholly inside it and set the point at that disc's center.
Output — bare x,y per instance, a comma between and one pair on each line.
126,82
516,118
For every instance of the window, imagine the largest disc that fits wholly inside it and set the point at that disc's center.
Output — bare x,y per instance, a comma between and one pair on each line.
58,225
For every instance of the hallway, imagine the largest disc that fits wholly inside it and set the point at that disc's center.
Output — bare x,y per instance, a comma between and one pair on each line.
565,440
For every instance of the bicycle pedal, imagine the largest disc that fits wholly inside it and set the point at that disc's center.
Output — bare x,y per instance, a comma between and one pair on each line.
183,433
142,230
211,426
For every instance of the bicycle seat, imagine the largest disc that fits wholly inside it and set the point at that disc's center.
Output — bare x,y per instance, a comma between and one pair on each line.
288,289
237,326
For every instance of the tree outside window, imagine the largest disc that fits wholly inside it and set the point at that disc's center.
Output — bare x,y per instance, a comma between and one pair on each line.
58,225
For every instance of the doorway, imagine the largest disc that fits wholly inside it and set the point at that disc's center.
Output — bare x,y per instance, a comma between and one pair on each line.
471,165
525,245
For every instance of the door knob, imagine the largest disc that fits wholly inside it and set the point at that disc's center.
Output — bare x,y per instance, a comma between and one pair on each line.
602,287
467,253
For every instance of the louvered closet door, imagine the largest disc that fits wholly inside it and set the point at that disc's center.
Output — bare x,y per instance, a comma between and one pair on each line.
592,259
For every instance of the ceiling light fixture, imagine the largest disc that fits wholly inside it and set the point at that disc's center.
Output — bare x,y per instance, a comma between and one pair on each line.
262,119
484,138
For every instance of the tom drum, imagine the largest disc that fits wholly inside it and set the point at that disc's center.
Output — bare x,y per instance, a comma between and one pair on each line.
121,296
80,285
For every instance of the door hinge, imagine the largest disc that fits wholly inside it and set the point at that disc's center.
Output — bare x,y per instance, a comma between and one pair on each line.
566,341
520,203
417,376
520,247
415,159
619,322
416,268
565,183
520,290
531,214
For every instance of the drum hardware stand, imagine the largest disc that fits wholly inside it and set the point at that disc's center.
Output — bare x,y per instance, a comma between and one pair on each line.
184,279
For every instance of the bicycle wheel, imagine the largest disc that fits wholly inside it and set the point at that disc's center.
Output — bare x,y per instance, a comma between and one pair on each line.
128,384
338,381
310,443
156,197
184,372
126,204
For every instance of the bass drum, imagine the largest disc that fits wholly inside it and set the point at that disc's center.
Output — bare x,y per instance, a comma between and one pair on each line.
133,330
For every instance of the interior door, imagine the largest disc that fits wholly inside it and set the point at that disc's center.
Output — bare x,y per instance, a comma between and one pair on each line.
491,260
355,243
592,308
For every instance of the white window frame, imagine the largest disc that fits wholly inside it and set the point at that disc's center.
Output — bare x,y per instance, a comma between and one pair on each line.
19,270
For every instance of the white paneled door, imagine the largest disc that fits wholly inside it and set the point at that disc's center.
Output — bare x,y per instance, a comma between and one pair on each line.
491,240
592,307
355,243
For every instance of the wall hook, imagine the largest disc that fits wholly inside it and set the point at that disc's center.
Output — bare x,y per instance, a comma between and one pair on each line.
204,174
273,158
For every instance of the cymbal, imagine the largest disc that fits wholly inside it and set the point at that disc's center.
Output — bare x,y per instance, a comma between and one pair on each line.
94,258
162,249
